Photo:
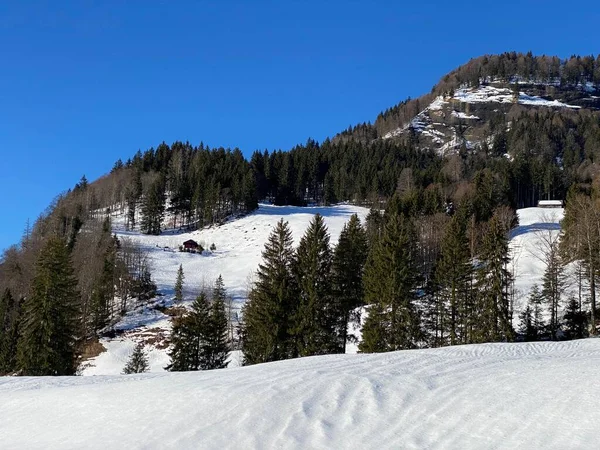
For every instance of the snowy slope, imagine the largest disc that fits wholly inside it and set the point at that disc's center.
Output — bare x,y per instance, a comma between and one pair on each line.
239,246
491,94
502,396
536,225
450,121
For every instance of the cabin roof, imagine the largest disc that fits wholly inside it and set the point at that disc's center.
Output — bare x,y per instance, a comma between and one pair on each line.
550,202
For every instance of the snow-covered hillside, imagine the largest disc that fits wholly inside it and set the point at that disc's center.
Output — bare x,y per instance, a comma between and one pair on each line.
537,227
239,245
503,396
461,117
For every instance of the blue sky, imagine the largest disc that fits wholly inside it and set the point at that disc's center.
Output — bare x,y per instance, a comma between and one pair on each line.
84,83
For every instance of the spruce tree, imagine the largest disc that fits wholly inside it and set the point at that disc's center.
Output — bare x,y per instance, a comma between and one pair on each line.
535,302
391,281
526,325
453,276
575,320
138,361
51,317
153,207
187,337
179,284
219,291
493,282
316,320
349,259
9,332
215,348
271,303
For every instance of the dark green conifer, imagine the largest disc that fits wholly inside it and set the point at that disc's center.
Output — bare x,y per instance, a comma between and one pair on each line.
391,281
271,303
153,207
575,320
215,347
493,282
316,320
9,332
349,259
453,276
187,337
179,284
51,318
138,361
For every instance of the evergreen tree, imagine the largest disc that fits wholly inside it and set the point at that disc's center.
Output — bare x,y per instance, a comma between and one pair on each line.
219,291
526,325
153,207
390,281
349,259
179,284
187,337
271,303
316,319
575,320
454,273
138,361
51,322
373,226
9,332
215,348
493,282
535,302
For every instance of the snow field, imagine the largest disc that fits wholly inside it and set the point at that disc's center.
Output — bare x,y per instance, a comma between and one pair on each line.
536,225
501,396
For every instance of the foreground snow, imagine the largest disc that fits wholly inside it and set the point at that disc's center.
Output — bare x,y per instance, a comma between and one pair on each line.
529,395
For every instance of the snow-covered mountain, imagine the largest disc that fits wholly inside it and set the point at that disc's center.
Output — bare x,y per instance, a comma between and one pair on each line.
539,395
462,117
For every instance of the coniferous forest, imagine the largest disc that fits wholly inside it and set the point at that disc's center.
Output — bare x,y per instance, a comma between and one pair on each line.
430,265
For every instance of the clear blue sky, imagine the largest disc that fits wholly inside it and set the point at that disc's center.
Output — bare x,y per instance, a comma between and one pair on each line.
83,83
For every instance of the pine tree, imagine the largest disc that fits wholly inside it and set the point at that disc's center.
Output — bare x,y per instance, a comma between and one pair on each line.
179,284
199,338
493,282
575,320
526,326
453,276
271,303
51,321
316,319
215,348
219,291
390,281
187,336
348,263
138,361
153,207
535,302
9,332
